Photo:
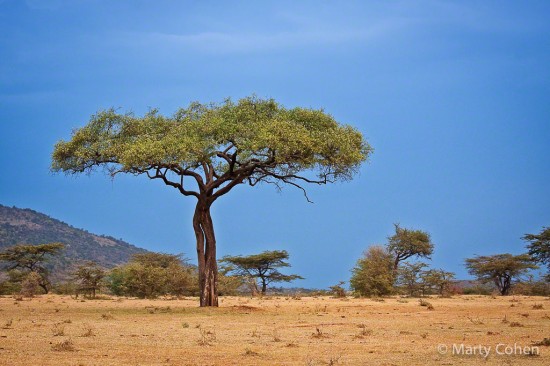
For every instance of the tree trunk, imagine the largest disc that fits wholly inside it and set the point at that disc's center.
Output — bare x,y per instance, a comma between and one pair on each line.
44,287
264,287
206,252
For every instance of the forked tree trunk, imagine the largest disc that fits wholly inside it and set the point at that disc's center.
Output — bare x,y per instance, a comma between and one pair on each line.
206,252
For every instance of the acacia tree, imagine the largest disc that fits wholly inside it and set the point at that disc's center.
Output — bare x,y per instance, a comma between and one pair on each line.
438,280
539,247
31,258
407,243
409,277
501,269
373,274
263,267
89,276
216,147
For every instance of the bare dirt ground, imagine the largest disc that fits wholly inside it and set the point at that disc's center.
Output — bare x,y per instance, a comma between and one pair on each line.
60,330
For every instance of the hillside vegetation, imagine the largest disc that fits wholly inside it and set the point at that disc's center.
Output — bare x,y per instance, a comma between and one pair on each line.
31,227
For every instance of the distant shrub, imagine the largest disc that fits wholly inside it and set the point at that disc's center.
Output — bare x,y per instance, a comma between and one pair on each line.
373,274
338,290
31,285
151,275
64,288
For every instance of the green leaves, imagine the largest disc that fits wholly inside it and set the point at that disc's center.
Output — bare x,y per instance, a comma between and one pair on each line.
253,141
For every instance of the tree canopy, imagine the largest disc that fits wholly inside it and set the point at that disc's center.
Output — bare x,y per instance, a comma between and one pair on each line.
501,269
205,150
89,276
264,267
31,258
407,243
217,146
539,247
149,275
373,273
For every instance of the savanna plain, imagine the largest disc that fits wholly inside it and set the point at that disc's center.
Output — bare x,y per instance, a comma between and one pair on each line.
284,330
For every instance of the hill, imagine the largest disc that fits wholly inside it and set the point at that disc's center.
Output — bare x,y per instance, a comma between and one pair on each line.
30,227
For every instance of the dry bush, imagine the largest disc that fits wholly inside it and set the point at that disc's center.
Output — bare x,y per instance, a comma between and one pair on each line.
64,346
8,324
538,307
249,352
276,337
207,337
427,304
319,333
107,316
545,342
58,330
88,331
477,320
516,324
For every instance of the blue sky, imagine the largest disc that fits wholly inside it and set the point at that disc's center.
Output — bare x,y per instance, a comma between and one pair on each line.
453,96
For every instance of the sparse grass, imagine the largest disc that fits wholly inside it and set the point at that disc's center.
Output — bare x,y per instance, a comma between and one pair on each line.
207,337
476,320
545,342
276,337
88,331
281,332
8,324
364,331
319,333
58,330
249,352
427,304
64,346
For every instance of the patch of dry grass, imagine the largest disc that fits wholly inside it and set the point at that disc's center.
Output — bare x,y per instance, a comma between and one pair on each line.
252,331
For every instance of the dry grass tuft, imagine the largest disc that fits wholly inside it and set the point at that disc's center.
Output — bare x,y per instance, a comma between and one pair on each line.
545,342
276,337
537,307
88,331
8,324
207,337
107,316
516,324
249,352
64,346
427,304
319,333
58,330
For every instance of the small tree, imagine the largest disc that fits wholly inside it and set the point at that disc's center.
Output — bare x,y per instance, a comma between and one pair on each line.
262,267
338,290
437,280
89,277
501,269
373,274
409,277
407,243
539,248
30,284
31,258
